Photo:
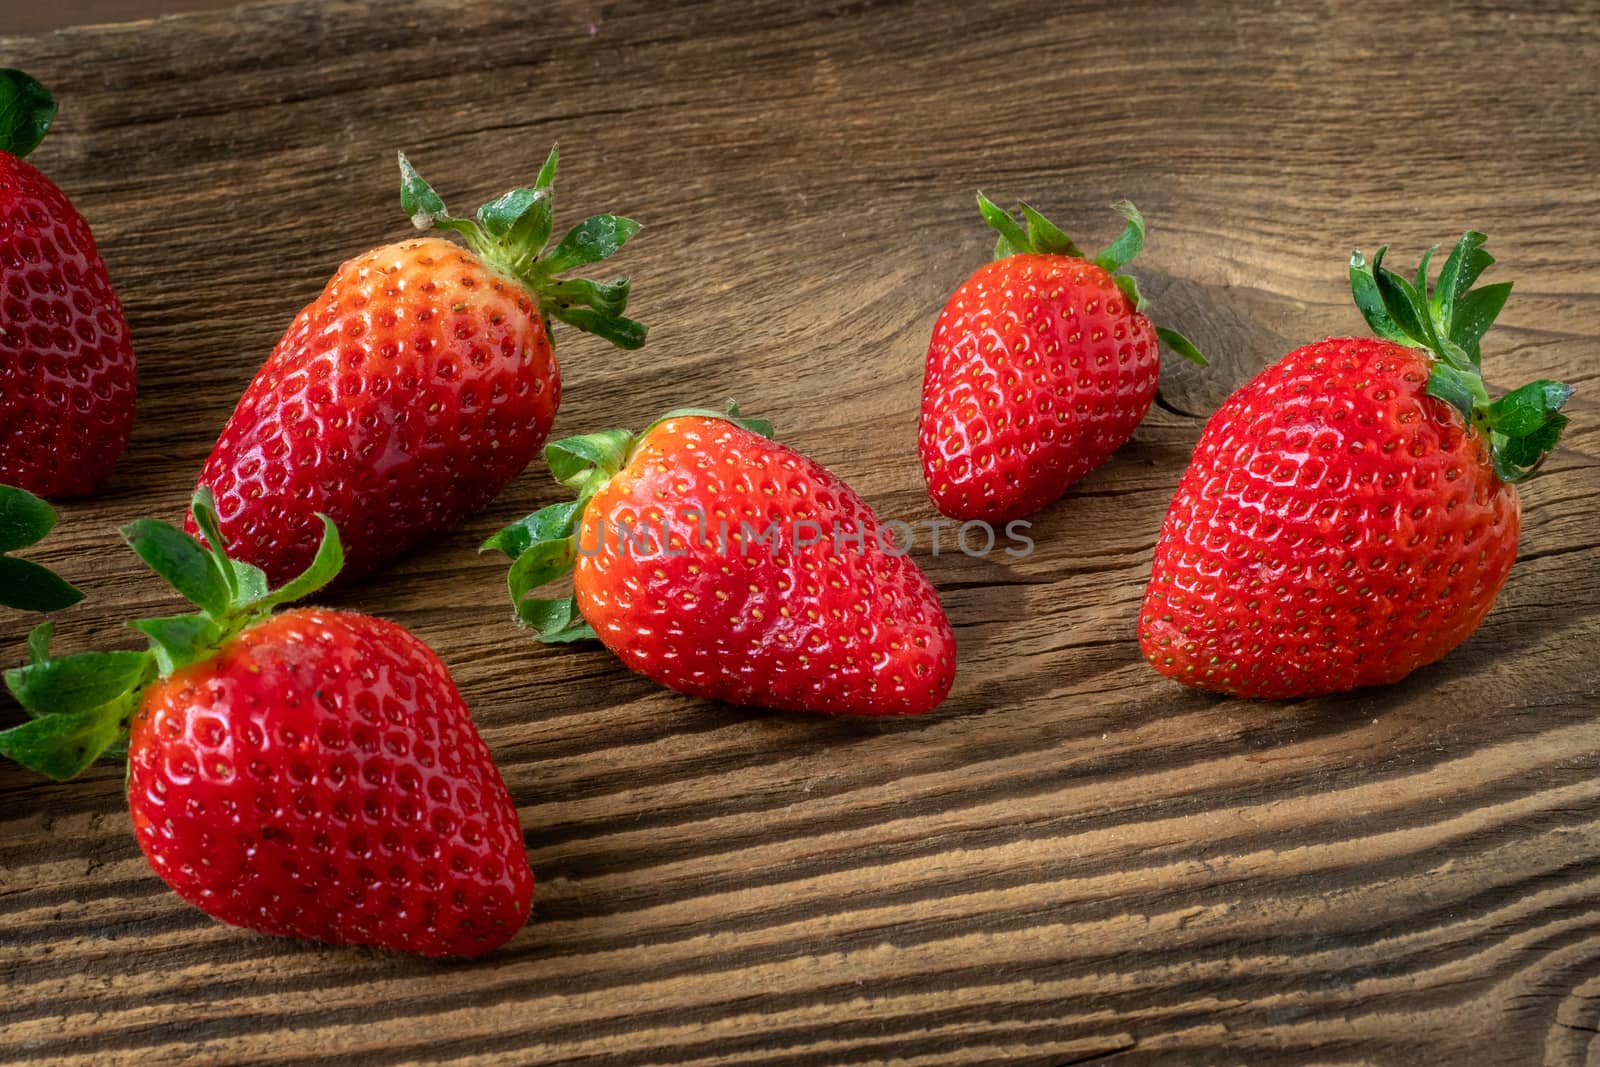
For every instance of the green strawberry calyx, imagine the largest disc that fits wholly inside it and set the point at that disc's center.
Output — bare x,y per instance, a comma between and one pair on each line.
79,706
1449,320
25,585
26,111
543,546
1043,237
511,233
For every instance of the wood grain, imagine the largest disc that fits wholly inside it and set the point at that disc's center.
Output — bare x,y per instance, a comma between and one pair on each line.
1072,860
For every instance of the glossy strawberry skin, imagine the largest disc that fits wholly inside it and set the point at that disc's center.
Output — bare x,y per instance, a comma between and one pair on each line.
320,777
1336,528
851,632
1039,368
66,363
401,400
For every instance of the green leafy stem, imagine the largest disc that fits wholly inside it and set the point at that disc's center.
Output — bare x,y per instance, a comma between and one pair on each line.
26,520
1449,318
26,111
542,546
1043,237
511,233
80,706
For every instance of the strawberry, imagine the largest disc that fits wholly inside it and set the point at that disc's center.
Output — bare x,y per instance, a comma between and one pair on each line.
1041,365
25,520
66,364
1351,512
309,774
719,563
420,382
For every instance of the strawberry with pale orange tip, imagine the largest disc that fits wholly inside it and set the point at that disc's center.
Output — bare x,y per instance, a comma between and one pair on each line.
420,382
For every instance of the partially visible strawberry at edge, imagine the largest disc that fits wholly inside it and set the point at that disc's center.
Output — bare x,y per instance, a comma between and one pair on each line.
67,367
309,774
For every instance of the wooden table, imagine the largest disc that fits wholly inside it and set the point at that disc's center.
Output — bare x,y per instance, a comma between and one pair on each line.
1072,859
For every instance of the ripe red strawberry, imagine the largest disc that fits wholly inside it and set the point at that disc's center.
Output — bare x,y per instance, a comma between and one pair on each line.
420,382
66,364
1041,365
722,564
1350,513
311,774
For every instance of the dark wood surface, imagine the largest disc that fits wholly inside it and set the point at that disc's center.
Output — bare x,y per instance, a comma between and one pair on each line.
32,16
1072,859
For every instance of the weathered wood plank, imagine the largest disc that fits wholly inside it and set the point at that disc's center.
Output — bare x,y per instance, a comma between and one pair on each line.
1072,859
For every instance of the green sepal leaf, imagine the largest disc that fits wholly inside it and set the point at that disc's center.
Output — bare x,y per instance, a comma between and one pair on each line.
759,426
1421,282
417,197
1522,427
24,518
594,239
547,173
1455,387
1046,236
424,206
249,580
1455,355
203,507
511,232
1182,345
500,214
324,568
558,620
77,683
574,631
62,745
1127,245
622,332
608,298
542,563
181,640
1517,458
530,233
1012,239
29,586
1526,410
1369,298
1474,313
1130,289
575,460
39,642
1405,307
1451,321
548,523
729,413
1466,261
187,565
26,111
